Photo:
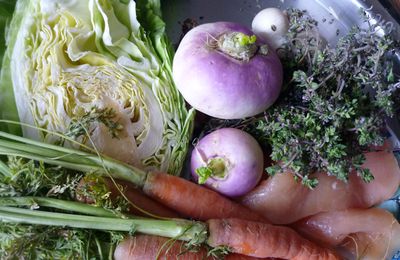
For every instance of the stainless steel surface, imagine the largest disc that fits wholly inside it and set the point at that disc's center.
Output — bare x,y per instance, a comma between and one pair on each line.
331,14
335,18
393,7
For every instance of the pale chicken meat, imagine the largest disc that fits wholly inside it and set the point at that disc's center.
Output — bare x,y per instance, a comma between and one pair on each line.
282,200
363,234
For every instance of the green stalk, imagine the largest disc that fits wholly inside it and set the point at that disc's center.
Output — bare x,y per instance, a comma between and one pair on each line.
50,160
69,158
57,204
4,168
178,228
88,217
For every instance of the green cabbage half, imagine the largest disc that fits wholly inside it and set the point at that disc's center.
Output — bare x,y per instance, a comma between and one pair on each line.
68,58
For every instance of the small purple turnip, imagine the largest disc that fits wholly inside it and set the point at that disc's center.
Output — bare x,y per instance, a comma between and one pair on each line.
228,160
224,71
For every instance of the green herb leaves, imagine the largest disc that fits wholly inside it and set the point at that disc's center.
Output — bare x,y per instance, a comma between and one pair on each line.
106,116
30,178
43,242
334,106
22,177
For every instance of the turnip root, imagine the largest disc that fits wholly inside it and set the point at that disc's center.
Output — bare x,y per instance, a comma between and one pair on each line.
271,25
223,70
228,160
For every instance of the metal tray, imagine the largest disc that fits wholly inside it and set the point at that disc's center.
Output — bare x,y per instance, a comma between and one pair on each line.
331,14
335,18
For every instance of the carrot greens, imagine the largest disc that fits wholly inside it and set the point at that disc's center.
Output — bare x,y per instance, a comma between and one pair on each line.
27,186
106,116
41,219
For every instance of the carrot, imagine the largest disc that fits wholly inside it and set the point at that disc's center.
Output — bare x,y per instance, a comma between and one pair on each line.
241,235
140,204
145,247
148,247
194,201
264,240
180,195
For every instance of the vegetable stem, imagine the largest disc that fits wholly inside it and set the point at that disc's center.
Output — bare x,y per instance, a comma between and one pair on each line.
4,169
57,204
216,168
238,45
69,158
178,228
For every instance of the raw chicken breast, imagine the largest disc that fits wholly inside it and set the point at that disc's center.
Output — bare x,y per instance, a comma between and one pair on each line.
282,200
357,233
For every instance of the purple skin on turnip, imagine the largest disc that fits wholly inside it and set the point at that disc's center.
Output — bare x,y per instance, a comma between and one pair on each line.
228,160
224,71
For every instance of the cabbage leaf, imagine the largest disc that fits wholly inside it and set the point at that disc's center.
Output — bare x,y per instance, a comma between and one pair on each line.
68,59
7,104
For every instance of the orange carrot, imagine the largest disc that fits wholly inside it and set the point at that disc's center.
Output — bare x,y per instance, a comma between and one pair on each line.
194,201
264,240
180,195
142,203
146,247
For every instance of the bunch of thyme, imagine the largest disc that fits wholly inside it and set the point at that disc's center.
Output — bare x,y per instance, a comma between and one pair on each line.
334,105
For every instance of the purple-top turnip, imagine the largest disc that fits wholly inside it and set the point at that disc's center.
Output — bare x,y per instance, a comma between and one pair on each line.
224,71
228,160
